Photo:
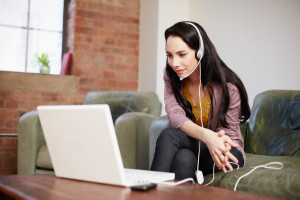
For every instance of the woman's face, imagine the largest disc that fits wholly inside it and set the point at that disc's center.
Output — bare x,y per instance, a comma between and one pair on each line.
181,57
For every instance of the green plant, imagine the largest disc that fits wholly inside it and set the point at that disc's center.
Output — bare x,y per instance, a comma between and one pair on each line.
43,59
43,62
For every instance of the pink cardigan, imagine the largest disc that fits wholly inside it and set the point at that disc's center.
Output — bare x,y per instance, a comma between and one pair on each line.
177,116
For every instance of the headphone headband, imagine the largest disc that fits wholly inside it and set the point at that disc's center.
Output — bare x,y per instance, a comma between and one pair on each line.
200,51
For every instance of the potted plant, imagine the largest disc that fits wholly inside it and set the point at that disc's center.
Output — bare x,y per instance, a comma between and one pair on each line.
43,63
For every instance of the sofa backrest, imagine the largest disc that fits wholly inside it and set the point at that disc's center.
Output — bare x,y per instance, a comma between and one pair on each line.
274,124
121,102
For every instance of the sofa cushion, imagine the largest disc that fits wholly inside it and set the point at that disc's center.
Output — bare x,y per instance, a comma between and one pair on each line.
278,183
274,125
43,160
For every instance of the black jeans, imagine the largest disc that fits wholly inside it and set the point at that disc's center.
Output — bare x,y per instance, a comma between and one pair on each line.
177,152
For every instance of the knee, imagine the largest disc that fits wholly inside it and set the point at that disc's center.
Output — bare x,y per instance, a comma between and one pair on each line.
184,164
238,154
184,158
165,135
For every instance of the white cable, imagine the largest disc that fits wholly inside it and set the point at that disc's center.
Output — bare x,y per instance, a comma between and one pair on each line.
213,178
259,166
200,118
256,167
177,183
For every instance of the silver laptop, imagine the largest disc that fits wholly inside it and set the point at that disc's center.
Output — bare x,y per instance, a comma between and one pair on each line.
82,144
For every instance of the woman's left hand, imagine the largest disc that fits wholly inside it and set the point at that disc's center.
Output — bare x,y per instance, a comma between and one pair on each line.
219,146
226,154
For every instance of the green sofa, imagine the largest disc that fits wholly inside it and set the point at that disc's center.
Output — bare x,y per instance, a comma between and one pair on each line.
271,134
33,155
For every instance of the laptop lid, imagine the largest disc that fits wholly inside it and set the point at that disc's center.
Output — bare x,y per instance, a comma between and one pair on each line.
82,143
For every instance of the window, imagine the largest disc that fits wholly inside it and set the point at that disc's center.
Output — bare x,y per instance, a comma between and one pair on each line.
29,27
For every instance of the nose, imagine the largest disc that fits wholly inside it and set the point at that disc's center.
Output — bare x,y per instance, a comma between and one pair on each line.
174,62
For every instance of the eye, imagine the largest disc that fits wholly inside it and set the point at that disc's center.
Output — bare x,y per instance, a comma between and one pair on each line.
169,56
182,54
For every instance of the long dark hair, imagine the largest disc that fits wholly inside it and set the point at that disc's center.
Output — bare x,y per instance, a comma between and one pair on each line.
213,69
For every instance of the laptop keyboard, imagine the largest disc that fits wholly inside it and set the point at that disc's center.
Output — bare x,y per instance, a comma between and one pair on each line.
137,176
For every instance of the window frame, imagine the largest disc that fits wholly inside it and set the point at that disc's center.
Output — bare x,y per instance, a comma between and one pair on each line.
27,29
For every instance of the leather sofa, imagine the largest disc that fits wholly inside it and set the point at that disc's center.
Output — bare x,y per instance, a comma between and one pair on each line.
272,134
33,155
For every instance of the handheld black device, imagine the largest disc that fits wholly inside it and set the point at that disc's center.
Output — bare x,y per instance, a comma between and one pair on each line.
144,187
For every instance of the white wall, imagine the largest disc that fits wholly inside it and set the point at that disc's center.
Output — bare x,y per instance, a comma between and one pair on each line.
156,17
170,12
258,39
148,46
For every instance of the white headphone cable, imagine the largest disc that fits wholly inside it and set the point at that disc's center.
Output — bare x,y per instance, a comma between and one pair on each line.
177,183
236,184
213,178
259,166
199,143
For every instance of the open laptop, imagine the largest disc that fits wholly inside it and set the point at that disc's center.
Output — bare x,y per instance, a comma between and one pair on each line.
82,144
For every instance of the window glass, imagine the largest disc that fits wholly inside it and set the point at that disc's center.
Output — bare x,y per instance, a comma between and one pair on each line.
42,42
13,12
46,14
12,49
28,27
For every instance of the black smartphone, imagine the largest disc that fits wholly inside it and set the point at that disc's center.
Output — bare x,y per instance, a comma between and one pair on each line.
144,187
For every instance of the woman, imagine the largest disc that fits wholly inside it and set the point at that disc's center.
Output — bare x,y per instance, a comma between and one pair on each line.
205,102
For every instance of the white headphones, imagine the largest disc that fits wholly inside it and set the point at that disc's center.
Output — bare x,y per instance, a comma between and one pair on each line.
200,51
199,54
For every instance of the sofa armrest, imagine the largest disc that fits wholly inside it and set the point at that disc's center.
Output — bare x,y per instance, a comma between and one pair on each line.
156,128
30,140
132,131
244,129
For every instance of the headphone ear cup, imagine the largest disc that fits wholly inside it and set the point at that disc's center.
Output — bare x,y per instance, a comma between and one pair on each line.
198,55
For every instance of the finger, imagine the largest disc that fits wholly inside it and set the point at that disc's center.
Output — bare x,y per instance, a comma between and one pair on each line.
225,162
224,170
231,157
227,148
228,165
229,141
226,159
217,161
221,133
221,156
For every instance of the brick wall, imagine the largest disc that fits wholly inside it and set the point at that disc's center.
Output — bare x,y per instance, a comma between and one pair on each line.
103,36
13,104
8,155
23,92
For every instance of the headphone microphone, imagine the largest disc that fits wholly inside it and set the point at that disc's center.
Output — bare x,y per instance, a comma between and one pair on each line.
199,52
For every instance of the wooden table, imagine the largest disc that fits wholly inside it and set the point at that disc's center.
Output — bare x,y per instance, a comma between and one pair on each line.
51,187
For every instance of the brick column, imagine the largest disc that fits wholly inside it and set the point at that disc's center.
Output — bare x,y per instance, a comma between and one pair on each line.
103,36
